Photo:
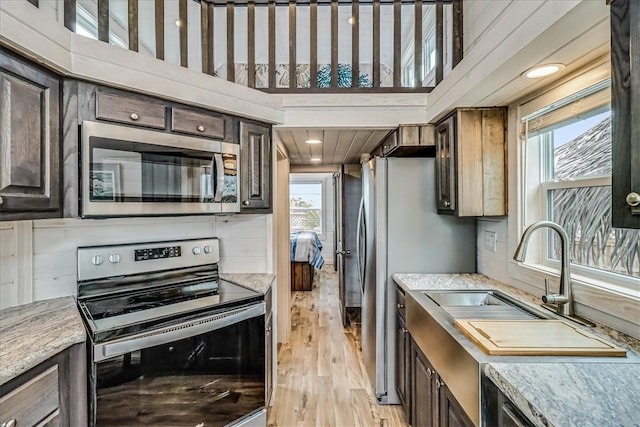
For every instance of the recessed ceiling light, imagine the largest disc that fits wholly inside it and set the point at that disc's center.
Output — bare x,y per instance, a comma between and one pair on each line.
313,141
315,159
540,71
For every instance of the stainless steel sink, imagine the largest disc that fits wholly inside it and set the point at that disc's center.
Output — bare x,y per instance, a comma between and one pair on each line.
482,304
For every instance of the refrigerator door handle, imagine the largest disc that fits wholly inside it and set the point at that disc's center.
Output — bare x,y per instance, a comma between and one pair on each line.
360,246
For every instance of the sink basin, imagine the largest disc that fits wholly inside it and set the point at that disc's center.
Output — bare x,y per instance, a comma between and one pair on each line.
482,304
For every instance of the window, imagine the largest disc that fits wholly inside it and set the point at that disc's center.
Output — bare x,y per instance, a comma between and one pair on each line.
567,177
429,53
305,206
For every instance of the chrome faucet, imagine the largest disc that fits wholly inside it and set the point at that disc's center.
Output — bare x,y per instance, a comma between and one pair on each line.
563,300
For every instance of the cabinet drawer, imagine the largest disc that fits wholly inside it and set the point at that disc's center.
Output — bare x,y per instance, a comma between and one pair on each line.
127,109
33,402
194,123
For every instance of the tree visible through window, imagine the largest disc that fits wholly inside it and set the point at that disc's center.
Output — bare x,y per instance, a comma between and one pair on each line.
305,206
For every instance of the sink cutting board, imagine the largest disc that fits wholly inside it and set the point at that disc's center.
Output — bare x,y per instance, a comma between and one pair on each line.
535,338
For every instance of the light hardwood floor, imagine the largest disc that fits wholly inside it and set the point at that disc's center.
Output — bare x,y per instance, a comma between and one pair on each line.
321,376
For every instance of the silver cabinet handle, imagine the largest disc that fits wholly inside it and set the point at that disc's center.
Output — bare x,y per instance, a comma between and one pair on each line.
399,306
404,330
633,199
246,203
200,128
429,372
439,383
10,423
268,331
446,203
134,116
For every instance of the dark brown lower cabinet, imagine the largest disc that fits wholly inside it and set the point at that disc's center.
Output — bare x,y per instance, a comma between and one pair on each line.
403,357
432,403
268,358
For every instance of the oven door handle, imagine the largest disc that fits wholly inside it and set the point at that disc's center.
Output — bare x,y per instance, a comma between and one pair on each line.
176,332
219,177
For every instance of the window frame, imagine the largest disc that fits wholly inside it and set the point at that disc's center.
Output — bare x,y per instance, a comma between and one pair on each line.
533,199
323,213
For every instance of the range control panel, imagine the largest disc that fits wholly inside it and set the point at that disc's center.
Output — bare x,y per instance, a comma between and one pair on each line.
97,262
157,253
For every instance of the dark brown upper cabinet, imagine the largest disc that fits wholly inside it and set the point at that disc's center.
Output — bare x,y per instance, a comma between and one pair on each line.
29,140
255,167
625,113
470,162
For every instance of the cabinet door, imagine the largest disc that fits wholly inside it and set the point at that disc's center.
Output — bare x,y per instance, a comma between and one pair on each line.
424,407
255,171
445,166
625,124
268,359
29,141
403,363
451,413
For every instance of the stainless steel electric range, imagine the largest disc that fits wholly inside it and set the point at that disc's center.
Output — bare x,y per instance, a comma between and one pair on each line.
170,343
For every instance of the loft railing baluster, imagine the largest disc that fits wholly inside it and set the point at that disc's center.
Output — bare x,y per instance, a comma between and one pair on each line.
272,44
133,24
206,28
70,15
376,43
159,18
418,43
184,41
231,62
355,43
313,41
293,75
103,20
251,44
334,43
456,40
397,43
439,41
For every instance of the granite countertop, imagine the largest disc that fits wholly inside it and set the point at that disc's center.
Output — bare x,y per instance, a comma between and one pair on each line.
555,391
32,333
260,282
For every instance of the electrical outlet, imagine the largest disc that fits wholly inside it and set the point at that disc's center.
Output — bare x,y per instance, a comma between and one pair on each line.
490,241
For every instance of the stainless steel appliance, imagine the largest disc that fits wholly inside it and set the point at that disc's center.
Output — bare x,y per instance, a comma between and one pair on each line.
128,172
400,231
170,343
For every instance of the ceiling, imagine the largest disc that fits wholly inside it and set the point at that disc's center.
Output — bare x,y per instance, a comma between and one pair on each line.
339,146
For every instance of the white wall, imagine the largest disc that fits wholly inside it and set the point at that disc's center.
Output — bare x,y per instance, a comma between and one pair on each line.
328,206
245,247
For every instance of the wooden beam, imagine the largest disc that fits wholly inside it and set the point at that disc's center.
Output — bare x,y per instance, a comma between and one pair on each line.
376,43
355,43
417,53
159,17
231,66
133,24
397,43
439,41
251,44
293,79
184,40
457,47
70,15
313,41
103,20
334,43
206,34
272,44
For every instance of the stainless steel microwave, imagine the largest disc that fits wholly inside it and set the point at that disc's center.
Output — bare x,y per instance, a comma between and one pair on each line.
133,172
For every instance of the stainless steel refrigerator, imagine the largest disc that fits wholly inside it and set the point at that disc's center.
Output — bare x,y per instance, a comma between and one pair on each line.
400,231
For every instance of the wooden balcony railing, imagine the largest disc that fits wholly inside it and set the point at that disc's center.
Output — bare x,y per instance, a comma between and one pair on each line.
309,46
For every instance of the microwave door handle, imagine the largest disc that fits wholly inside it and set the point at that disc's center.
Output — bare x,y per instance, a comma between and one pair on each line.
219,177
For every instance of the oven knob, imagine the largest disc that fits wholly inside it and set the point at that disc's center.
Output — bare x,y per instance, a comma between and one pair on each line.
196,250
97,260
207,249
114,258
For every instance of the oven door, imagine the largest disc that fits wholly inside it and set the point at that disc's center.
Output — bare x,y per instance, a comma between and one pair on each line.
132,172
207,371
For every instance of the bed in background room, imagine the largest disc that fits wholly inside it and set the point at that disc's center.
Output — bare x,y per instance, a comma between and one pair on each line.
306,256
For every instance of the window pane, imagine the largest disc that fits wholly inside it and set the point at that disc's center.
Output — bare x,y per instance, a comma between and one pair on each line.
306,206
585,214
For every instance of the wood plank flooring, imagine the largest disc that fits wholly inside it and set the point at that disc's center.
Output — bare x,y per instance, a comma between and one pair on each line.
321,376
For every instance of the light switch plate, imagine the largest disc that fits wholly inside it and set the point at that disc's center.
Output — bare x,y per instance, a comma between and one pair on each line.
490,241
